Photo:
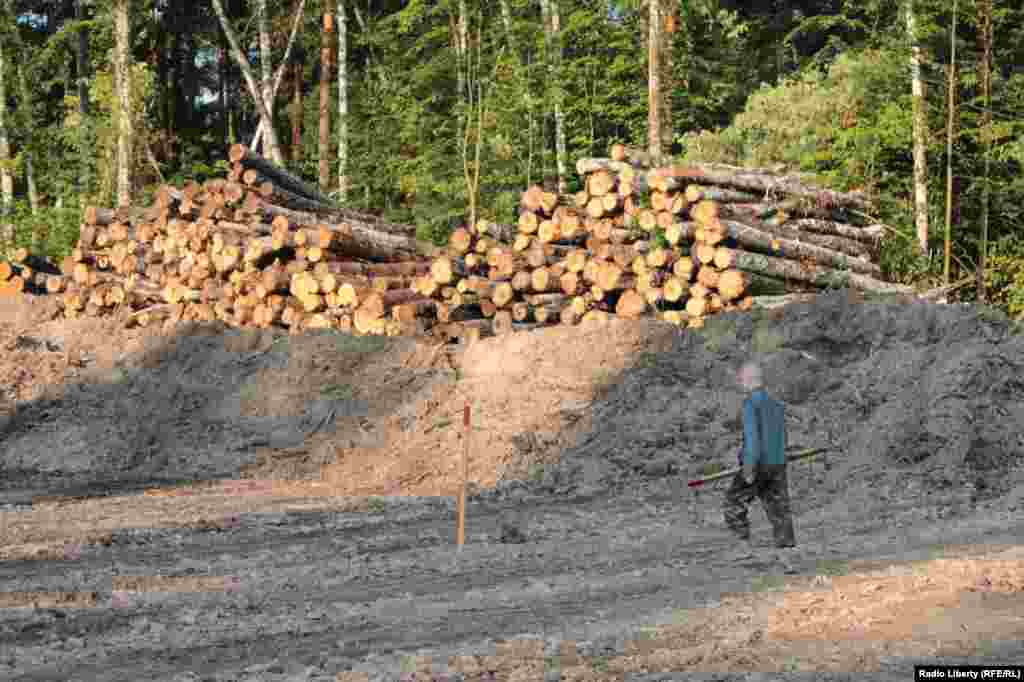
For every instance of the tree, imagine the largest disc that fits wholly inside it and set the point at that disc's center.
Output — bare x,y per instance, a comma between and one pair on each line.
266,118
276,84
326,44
122,71
553,42
984,10
342,103
654,69
6,177
920,133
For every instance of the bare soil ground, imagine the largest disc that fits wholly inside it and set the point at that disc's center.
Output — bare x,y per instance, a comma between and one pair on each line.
221,505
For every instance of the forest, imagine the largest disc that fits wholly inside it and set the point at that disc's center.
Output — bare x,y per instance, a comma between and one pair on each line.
438,113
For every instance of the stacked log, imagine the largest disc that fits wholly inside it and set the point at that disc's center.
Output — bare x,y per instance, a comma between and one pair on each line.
719,236
258,248
263,248
27,273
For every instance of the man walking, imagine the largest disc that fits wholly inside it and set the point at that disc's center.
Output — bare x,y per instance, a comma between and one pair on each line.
763,462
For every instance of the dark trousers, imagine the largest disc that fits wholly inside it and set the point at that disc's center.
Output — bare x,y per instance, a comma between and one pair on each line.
772,487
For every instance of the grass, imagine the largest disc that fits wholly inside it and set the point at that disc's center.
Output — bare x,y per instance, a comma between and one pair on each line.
716,332
376,505
337,392
604,383
440,424
833,567
646,360
536,472
766,341
346,343
247,392
767,583
600,664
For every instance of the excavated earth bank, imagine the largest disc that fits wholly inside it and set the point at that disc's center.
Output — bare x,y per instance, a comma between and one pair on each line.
910,531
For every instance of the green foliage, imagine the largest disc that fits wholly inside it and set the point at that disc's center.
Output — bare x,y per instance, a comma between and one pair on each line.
53,232
101,136
1004,277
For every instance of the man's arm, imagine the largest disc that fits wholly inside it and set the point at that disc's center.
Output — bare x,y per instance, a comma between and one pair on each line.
751,437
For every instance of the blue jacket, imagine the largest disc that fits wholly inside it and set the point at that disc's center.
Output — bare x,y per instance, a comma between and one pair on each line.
764,430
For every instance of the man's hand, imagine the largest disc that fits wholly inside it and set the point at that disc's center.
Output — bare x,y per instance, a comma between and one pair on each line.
749,473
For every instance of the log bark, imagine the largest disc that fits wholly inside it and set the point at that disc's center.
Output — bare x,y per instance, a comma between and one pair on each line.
588,166
723,195
871,234
242,155
755,180
812,274
711,214
791,248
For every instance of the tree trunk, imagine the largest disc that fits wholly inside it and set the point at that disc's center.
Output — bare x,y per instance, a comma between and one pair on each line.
666,84
280,177
654,142
755,180
263,22
553,35
250,81
30,180
791,248
6,178
343,179
296,113
817,275
82,67
280,70
984,8
223,73
920,134
506,18
122,61
326,43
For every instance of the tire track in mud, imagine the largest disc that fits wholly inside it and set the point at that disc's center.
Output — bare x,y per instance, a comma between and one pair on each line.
299,599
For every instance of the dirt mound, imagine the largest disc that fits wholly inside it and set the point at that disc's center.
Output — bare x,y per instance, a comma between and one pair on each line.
529,394
205,403
888,385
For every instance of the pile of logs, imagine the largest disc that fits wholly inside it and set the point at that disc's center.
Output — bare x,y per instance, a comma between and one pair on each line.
257,248
263,248
679,242
26,274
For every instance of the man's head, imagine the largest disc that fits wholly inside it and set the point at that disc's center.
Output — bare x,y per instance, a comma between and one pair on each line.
750,376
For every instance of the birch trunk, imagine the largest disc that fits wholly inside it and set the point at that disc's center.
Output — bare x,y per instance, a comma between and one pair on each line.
263,21
30,180
653,78
920,134
326,43
462,43
556,39
250,81
342,104
506,18
83,178
280,72
6,179
122,55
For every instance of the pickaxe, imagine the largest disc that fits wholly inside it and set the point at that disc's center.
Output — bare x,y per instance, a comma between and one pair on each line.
796,457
